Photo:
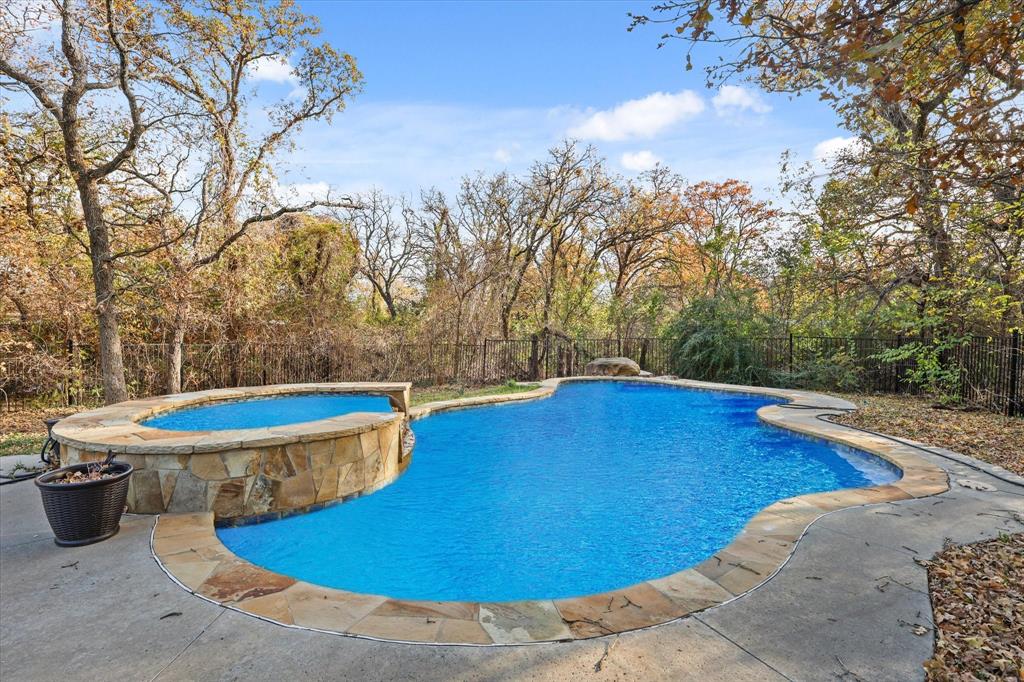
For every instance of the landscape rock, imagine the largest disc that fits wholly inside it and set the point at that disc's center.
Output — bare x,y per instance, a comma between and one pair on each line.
612,367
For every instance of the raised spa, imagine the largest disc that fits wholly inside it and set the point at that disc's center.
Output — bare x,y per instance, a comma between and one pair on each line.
264,412
249,452
602,485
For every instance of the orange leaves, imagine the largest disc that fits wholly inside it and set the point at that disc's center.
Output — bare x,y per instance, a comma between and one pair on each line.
977,600
946,75
912,205
989,437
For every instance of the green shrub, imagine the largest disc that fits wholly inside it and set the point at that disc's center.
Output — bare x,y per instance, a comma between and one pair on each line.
929,369
836,372
711,340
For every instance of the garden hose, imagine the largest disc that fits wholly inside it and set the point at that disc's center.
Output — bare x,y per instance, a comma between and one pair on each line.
45,455
7,480
825,418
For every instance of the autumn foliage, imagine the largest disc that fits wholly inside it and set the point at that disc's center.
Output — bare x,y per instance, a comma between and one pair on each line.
140,203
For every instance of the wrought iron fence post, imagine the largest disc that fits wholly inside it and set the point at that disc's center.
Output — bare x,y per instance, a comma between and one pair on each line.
483,365
791,352
1013,406
430,362
534,360
233,359
456,362
547,354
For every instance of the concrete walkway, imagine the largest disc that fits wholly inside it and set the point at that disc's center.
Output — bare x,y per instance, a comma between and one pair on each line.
847,606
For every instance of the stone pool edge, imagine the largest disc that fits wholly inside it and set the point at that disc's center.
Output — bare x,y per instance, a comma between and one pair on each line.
250,474
118,427
187,548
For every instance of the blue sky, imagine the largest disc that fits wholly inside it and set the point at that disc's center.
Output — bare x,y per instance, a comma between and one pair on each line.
453,88
499,54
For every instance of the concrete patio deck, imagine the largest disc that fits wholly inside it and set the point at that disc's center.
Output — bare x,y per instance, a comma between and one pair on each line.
847,605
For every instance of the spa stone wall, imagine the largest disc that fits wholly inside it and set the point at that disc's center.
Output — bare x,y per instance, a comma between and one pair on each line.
262,482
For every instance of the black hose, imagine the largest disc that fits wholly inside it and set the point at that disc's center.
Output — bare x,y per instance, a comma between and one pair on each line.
45,455
825,418
16,479
51,447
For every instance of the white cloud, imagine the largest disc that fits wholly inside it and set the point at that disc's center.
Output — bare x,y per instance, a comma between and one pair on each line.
502,155
403,147
303,192
640,118
639,161
733,99
273,69
827,150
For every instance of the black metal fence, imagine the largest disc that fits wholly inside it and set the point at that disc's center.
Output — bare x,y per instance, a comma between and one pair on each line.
991,370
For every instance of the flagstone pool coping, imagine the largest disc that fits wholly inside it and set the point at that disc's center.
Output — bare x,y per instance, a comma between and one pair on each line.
187,548
119,427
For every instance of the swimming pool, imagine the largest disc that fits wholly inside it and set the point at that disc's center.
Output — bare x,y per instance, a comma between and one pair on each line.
265,412
602,485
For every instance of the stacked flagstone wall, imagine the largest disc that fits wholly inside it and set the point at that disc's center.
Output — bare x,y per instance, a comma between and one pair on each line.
261,481
244,475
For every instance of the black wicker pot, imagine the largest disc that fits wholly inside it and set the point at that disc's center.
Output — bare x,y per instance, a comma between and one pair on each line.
87,512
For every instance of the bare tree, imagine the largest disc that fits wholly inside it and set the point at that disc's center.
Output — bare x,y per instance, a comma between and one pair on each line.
457,248
570,195
34,189
723,228
496,203
182,75
384,228
640,229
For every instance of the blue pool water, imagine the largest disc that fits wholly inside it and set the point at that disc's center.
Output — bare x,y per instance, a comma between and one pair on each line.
601,486
273,411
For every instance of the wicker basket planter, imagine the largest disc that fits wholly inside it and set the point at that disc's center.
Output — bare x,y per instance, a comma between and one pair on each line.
86,512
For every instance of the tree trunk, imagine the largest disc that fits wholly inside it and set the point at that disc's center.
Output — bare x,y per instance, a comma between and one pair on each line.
385,295
174,353
549,292
111,357
512,296
389,301
23,315
506,322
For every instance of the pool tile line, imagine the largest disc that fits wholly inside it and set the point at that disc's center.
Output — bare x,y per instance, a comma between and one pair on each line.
187,548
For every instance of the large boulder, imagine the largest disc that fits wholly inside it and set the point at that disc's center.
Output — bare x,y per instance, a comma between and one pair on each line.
612,367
